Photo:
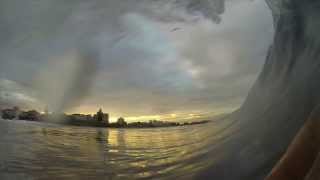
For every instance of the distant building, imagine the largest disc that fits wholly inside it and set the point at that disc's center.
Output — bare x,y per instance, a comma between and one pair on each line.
121,122
10,113
80,117
106,118
157,123
102,117
30,115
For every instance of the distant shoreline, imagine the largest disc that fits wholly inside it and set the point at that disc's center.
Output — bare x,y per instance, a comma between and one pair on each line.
145,125
99,119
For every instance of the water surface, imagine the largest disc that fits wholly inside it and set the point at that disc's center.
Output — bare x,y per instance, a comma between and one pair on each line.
30,150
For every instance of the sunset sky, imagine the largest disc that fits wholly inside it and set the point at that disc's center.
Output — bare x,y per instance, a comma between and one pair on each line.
156,59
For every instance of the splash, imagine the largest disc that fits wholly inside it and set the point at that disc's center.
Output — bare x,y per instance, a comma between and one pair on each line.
66,80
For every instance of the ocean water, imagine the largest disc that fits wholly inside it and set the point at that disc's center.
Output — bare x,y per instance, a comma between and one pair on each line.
31,150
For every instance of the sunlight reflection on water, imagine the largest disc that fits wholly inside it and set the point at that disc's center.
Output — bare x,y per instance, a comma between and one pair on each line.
46,151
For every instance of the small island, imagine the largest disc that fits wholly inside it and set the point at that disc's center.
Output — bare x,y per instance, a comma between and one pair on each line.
100,119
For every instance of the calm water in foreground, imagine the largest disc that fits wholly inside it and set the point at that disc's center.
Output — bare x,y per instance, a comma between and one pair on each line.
30,150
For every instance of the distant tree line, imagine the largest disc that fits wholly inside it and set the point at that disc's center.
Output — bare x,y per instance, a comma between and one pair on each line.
99,119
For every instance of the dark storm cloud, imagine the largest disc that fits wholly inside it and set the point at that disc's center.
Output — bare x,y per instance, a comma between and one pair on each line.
123,56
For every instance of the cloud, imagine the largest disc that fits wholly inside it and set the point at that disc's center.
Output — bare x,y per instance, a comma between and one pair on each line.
124,56
14,94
